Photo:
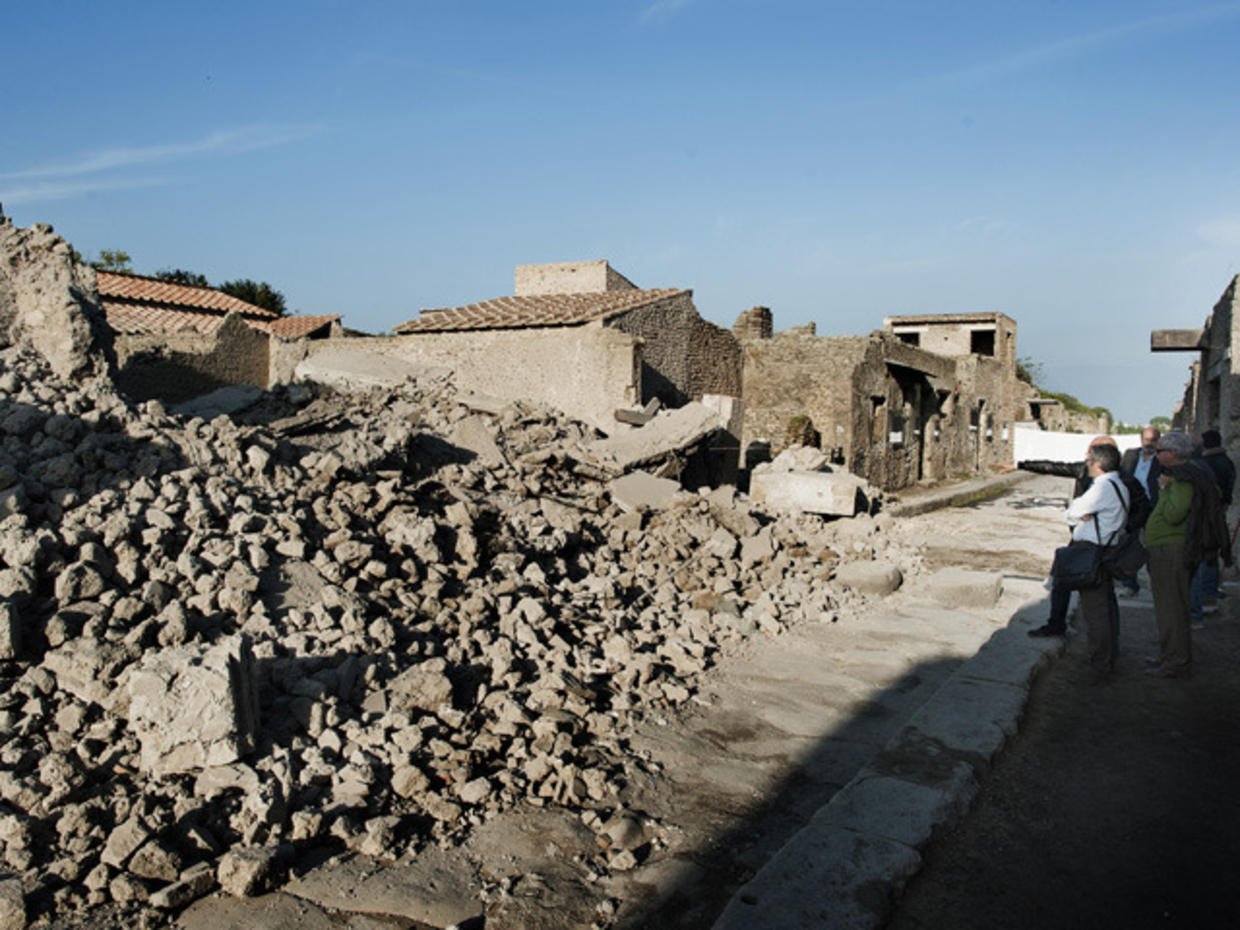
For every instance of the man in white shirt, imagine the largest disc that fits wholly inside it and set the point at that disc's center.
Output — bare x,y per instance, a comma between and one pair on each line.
1098,517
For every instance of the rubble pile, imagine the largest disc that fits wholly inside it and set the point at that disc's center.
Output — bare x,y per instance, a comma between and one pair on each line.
371,620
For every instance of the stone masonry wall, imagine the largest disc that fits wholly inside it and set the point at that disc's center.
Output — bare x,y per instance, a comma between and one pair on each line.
585,371
684,356
177,366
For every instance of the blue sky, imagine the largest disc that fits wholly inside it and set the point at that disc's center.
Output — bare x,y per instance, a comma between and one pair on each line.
1072,165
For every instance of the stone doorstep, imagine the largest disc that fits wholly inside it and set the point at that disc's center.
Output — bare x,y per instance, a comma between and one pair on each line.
848,865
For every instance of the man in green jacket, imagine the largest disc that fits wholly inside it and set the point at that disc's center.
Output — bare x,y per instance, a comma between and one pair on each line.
1170,573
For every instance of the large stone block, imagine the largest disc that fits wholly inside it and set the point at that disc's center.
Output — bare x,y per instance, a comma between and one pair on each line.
640,490
877,577
195,706
960,587
831,493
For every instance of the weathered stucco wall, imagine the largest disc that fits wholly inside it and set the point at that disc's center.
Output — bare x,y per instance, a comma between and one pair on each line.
177,366
586,371
568,278
684,356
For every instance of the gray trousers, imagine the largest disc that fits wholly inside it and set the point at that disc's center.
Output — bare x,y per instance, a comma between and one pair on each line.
1169,581
1100,611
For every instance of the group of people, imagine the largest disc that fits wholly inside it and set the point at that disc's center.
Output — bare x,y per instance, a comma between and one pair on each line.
1175,492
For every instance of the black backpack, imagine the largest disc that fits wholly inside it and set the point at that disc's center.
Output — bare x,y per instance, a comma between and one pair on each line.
1139,506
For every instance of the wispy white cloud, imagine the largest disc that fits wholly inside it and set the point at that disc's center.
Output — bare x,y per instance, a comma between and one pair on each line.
1077,45
662,10
1222,233
224,142
62,190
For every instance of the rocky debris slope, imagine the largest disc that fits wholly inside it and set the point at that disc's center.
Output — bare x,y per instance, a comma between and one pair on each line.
371,620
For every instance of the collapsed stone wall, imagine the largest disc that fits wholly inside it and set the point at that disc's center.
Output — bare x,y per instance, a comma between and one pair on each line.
369,620
174,367
683,356
49,302
585,371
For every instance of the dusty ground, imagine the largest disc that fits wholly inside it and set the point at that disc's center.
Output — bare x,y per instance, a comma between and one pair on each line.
1115,807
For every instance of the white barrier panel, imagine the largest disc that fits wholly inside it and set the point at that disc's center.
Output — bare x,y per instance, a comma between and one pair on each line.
1033,443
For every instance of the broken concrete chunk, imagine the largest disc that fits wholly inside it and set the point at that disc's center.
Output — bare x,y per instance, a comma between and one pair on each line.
669,432
247,871
473,434
192,885
12,903
876,577
195,706
425,687
831,493
640,490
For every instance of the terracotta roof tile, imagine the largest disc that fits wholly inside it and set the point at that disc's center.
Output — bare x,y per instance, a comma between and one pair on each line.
535,310
140,318
295,327
131,287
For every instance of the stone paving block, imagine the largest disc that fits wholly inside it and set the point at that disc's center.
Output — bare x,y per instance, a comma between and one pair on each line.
436,888
1009,656
895,808
268,912
967,716
830,493
824,878
640,490
877,577
961,587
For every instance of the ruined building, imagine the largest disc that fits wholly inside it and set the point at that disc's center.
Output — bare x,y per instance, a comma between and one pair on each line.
1212,394
174,341
929,397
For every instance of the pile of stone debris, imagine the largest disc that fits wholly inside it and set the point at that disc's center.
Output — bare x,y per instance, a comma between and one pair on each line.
369,619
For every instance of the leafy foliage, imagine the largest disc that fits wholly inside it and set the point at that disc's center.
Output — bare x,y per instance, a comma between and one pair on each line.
1162,424
259,293
113,260
1029,370
181,276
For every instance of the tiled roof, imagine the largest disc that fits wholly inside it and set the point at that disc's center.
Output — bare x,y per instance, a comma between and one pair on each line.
135,288
134,304
138,318
295,327
535,310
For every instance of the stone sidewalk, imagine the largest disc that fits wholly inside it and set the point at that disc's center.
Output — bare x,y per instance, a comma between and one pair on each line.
847,865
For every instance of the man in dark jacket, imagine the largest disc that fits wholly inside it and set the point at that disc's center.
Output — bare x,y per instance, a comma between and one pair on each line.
1204,592
1140,465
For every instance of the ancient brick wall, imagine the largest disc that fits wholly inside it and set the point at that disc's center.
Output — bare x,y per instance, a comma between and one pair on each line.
177,366
684,356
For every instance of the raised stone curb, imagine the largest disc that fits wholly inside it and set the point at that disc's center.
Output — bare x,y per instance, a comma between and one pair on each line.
848,865
911,505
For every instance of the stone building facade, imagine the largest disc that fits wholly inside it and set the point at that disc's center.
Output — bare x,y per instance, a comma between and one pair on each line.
882,405
681,356
1212,395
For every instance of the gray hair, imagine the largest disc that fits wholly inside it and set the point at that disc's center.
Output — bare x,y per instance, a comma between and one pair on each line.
1180,444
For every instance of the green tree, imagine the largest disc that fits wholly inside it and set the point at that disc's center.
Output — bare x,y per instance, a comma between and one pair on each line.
259,293
113,260
181,276
1162,424
1028,370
